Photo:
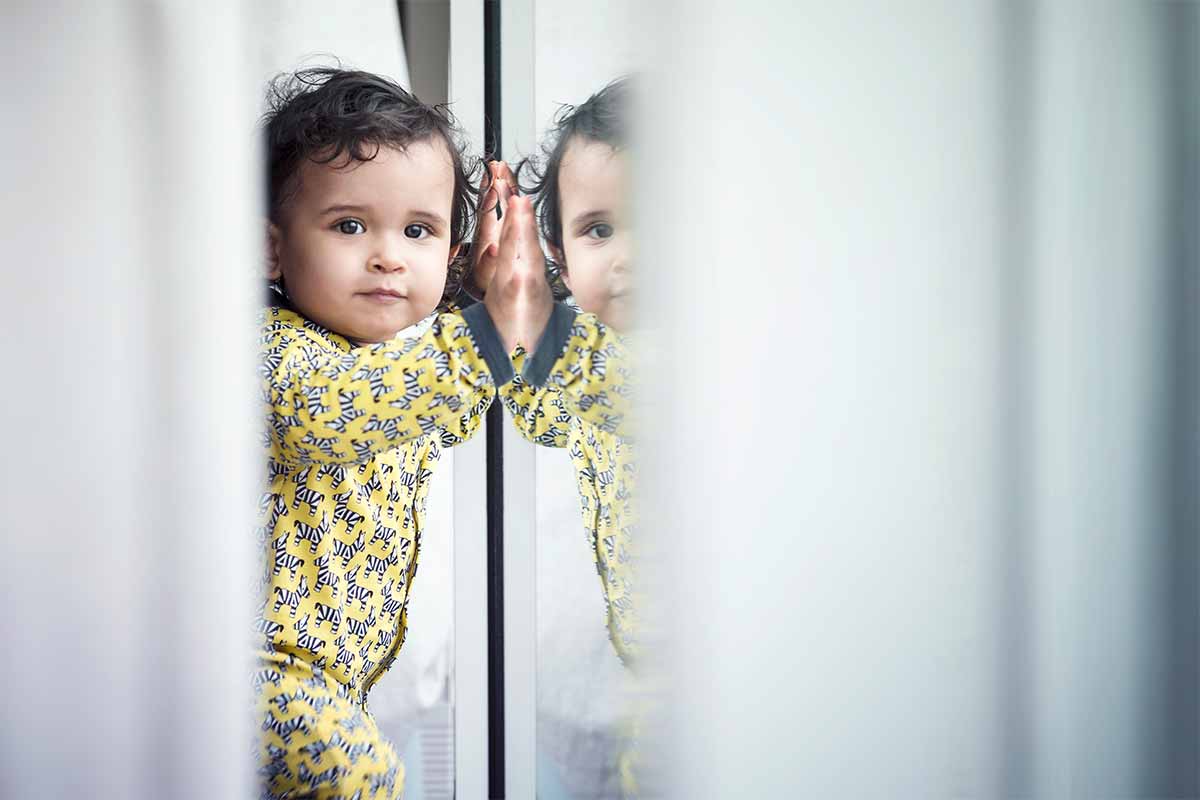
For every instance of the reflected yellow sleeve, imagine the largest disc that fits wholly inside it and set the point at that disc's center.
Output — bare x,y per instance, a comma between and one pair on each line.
589,365
537,413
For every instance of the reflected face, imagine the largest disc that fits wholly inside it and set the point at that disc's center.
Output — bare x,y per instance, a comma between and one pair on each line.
596,234
363,247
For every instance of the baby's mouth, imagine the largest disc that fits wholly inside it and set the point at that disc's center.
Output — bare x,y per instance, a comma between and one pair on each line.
385,296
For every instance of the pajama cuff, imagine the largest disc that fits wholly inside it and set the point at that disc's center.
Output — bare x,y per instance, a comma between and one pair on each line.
551,346
487,339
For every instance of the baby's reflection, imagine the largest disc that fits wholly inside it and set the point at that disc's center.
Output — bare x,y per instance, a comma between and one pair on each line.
579,185
582,205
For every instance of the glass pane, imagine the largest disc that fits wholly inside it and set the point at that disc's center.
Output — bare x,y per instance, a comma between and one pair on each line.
583,716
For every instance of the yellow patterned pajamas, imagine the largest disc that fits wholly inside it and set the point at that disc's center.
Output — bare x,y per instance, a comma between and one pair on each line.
581,402
352,438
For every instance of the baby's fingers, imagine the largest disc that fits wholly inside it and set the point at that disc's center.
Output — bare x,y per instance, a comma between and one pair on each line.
510,235
530,247
505,191
519,221
501,171
489,227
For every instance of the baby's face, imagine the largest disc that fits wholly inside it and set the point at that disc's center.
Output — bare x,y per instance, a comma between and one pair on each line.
363,246
596,234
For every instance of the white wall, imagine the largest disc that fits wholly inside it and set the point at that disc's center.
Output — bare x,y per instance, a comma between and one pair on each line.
363,34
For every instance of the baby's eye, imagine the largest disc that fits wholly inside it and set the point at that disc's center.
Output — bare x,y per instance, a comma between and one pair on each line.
416,231
351,227
601,230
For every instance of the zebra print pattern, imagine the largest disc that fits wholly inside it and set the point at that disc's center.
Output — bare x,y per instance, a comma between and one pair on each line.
308,533
331,615
348,462
284,559
317,741
583,408
346,551
291,597
326,576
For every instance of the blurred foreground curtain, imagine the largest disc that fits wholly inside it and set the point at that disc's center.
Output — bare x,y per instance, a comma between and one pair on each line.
925,467
131,242
132,231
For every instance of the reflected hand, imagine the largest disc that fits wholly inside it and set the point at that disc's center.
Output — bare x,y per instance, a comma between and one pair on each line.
501,185
520,300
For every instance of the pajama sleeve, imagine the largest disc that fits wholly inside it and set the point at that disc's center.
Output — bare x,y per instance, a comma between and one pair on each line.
328,405
588,365
537,413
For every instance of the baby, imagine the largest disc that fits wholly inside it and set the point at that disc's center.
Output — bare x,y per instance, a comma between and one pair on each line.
369,201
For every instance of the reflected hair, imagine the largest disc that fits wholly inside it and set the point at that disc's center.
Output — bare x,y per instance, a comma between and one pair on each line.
601,118
326,114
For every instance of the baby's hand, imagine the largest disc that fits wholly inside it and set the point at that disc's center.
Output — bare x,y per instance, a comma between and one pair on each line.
501,185
519,300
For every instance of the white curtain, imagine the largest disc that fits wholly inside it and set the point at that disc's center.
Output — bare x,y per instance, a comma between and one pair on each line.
925,477
132,230
130,249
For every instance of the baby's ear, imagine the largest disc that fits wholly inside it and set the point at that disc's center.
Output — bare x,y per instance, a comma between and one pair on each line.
454,252
274,242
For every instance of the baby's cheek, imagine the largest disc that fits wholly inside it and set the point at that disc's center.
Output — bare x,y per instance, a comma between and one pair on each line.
619,314
432,288
592,297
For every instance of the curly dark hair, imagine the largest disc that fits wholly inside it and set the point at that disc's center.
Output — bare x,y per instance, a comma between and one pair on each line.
601,118
322,114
